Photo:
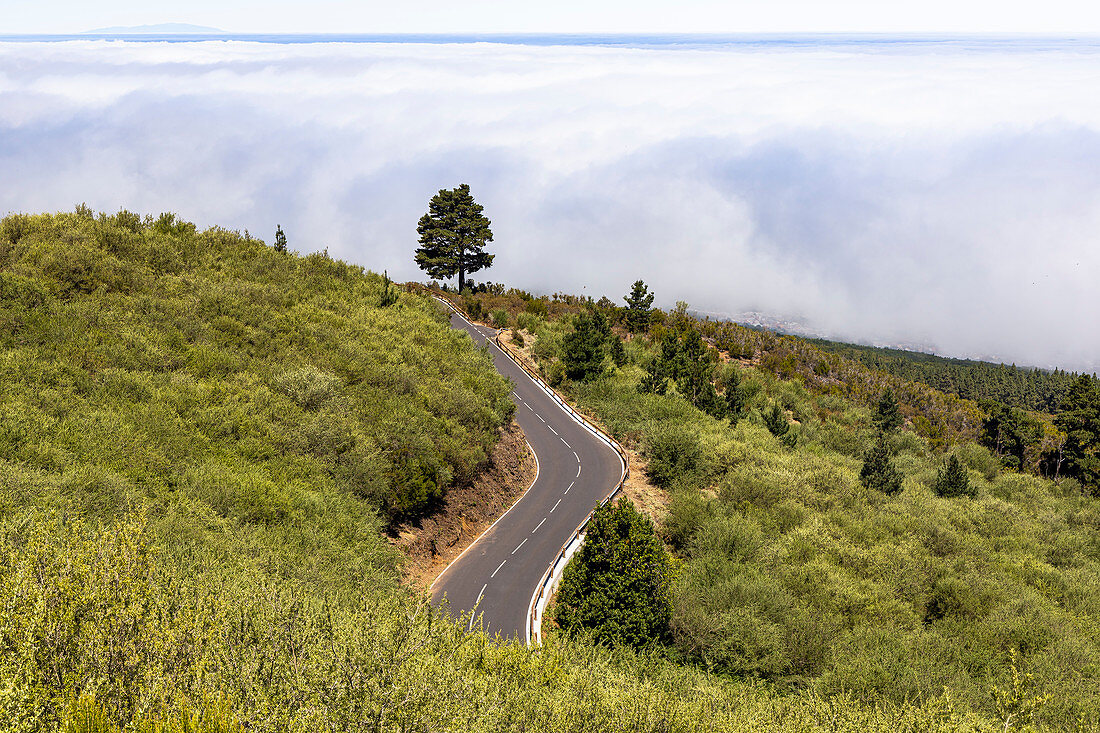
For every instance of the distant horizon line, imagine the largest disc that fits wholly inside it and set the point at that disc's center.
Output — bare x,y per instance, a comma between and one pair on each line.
716,35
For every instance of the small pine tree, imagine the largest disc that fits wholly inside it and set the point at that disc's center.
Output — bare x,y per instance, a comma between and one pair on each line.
735,397
878,472
619,583
280,239
389,292
775,420
887,414
693,375
952,479
582,350
637,307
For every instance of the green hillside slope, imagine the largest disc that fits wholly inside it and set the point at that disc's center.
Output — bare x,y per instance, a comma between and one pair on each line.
795,571
201,444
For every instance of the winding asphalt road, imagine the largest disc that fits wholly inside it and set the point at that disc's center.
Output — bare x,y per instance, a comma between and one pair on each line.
499,573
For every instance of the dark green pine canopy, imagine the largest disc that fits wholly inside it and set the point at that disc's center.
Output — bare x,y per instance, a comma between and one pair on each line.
453,235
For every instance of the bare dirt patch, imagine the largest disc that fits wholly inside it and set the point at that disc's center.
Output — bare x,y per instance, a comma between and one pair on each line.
647,498
433,542
526,354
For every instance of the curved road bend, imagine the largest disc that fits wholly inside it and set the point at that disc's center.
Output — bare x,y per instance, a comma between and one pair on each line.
499,572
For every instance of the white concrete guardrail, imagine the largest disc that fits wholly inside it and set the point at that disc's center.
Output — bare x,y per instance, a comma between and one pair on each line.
548,583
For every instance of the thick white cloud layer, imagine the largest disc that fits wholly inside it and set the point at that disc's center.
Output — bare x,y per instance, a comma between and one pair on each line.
948,196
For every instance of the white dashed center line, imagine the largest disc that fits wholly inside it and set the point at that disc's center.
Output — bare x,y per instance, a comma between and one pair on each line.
570,486
501,565
479,595
536,529
521,544
578,471
555,506
555,432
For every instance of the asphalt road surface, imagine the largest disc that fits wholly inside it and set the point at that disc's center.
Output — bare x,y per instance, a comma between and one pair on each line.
498,574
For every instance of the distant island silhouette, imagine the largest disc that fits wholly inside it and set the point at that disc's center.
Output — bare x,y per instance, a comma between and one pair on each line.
157,28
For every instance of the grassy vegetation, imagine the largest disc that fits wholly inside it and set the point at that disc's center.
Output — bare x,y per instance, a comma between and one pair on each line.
793,572
143,360
202,440
103,633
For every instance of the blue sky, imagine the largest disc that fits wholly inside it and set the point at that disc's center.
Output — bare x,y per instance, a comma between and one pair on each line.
956,16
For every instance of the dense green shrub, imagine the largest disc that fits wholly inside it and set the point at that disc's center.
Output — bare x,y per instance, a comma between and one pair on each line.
617,585
528,322
670,453
474,308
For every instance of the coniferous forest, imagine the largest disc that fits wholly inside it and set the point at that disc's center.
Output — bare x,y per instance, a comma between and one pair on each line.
1032,389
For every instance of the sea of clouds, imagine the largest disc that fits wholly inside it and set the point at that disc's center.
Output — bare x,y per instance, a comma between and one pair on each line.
945,196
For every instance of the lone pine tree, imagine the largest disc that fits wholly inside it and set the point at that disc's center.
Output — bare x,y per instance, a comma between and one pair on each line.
637,307
453,235
952,479
887,414
280,239
878,472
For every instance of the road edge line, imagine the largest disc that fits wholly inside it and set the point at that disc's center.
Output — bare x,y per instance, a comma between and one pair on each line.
502,516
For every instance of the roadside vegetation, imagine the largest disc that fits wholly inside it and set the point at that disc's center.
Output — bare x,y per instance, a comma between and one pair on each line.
838,540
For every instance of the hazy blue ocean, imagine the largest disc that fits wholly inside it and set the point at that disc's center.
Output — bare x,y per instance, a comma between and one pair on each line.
859,43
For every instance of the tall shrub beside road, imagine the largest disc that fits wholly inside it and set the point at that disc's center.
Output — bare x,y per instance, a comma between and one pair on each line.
618,584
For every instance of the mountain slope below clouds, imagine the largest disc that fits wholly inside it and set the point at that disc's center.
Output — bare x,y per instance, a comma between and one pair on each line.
197,436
